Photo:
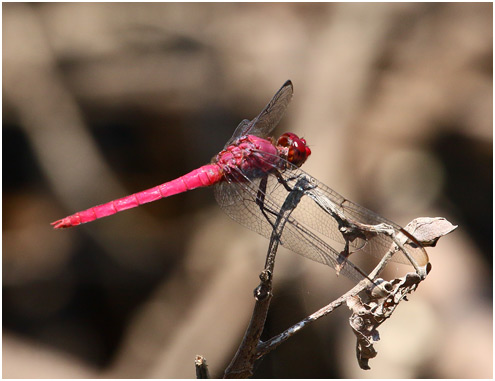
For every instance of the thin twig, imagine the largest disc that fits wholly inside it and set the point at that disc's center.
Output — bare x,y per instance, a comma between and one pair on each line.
434,228
252,348
201,367
242,364
269,345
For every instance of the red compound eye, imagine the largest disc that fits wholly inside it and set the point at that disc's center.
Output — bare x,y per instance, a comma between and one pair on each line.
298,151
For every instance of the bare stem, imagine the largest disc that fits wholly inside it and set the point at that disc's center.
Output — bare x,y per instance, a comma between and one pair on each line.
201,367
242,364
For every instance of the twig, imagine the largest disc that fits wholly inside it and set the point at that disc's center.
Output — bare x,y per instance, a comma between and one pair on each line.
382,300
271,344
201,367
242,364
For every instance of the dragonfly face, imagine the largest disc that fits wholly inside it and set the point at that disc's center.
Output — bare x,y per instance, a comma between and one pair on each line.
297,152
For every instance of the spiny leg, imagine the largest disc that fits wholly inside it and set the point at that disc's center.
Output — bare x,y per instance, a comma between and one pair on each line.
260,200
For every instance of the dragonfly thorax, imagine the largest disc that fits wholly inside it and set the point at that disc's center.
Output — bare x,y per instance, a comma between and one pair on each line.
250,155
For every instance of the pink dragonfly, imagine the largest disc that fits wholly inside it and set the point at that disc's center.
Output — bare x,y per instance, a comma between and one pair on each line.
252,177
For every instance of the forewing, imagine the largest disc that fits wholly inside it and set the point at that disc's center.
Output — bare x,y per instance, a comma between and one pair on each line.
239,131
375,244
269,118
238,200
366,216
318,221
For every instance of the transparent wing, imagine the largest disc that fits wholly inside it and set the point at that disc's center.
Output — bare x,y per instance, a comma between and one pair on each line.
239,131
379,244
238,200
373,244
269,118
311,231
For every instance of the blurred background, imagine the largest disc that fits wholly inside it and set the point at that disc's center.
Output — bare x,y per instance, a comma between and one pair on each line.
104,100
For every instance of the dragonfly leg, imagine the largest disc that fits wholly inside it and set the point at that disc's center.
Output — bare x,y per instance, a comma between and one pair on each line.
290,203
283,181
343,257
260,200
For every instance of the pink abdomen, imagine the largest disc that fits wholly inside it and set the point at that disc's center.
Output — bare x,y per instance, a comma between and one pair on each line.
202,177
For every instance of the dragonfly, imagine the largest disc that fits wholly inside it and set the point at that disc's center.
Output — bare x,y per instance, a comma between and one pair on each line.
252,177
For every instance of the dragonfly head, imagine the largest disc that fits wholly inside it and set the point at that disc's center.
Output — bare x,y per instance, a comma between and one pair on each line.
297,151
